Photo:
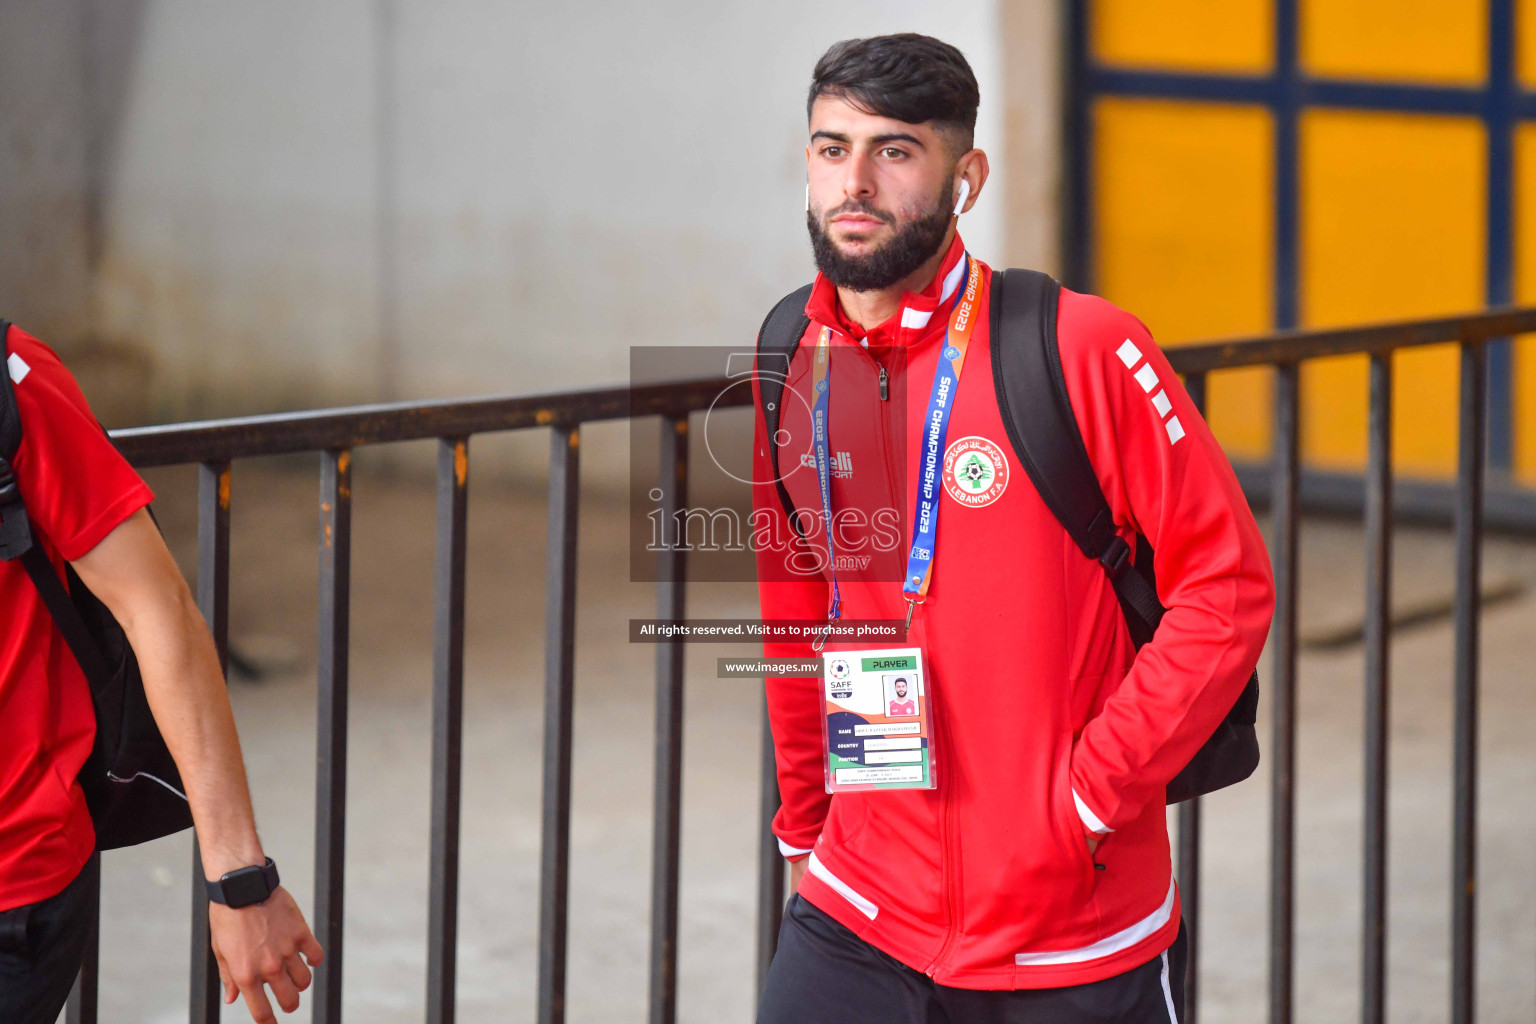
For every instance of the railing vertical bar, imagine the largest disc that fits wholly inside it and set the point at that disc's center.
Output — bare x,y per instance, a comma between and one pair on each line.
770,862
1194,385
447,727
1469,537
1378,620
666,836
213,481
84,994
1189,830
1285,541
559,693
331,727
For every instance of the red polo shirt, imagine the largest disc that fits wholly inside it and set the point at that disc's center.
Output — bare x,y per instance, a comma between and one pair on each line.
77,489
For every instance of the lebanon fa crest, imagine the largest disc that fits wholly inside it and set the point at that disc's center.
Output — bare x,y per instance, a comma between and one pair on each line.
975,471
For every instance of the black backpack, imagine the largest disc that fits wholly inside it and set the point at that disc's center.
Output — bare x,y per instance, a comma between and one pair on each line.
130,781
1032,396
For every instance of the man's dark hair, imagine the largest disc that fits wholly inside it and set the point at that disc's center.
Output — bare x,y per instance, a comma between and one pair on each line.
909,77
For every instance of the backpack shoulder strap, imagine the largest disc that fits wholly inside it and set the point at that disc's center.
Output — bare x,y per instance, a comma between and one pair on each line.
18,542
777,341
1037,413
77,635
10,419
15,529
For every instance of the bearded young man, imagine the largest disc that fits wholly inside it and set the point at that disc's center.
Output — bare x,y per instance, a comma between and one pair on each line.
1027,879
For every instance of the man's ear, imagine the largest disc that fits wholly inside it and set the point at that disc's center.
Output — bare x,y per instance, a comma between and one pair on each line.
807,178
972,169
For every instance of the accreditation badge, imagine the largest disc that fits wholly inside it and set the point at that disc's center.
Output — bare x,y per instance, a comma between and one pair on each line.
877,729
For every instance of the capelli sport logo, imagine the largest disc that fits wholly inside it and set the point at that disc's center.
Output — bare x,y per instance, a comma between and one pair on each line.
841,466
975,471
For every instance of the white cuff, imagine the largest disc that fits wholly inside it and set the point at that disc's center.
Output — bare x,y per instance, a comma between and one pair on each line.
1090,820
791,851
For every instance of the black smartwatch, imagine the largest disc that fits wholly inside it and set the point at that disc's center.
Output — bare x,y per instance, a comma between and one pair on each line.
245,887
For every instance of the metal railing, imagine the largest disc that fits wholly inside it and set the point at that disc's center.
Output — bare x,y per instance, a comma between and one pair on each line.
334,434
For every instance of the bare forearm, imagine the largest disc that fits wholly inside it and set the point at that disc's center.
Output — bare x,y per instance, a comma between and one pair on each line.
186,692
257,945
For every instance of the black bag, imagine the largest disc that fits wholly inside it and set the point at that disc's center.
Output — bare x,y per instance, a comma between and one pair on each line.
1032,397
130,781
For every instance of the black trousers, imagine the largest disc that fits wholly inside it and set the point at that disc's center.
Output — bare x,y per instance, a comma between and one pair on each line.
824,974
41,947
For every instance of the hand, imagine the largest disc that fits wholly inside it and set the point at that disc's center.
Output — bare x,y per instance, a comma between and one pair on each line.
262,945
797,872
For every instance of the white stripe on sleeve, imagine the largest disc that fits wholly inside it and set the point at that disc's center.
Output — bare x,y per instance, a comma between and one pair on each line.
1090,819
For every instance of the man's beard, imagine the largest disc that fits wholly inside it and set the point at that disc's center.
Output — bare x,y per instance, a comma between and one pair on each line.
912,246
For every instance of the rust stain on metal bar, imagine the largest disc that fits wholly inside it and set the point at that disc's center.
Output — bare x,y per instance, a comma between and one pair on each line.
460,462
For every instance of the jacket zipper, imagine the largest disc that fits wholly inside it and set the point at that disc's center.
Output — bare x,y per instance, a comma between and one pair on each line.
946,826
951,868
884,440
947,834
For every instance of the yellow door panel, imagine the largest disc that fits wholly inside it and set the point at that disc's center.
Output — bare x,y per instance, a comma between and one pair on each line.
1525,42
1392,209
1523,427
1184,236
1440,41
1186,35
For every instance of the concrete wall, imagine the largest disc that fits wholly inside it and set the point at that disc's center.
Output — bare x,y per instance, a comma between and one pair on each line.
44,177
293,204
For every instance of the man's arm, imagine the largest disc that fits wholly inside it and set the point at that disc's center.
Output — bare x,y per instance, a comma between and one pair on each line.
134,575
1165,474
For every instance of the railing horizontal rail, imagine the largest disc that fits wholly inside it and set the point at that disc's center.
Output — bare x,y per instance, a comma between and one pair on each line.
320,429
1294,346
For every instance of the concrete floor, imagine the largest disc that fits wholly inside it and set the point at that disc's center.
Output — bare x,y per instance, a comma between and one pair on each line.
146,890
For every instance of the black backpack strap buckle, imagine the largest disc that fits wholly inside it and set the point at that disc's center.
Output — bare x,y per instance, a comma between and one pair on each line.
1116,557
15,528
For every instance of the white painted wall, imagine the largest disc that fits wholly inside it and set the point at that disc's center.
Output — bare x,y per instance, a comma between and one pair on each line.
44,272
316,202
569,180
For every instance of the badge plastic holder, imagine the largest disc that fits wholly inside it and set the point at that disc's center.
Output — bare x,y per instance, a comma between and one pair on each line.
876,727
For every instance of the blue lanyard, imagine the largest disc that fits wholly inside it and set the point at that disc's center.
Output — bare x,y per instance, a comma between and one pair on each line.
823,387
946,378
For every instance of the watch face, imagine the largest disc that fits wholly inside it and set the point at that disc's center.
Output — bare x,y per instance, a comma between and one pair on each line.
244,887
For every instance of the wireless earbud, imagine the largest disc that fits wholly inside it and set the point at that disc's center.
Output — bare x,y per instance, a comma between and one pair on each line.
807,197
965,193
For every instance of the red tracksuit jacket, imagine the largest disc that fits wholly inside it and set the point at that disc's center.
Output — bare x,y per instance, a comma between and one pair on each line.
1050,726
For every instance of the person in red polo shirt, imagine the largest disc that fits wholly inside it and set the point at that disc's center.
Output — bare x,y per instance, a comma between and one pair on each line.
88,508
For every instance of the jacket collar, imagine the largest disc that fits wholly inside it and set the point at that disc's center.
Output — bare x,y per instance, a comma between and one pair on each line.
913,321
